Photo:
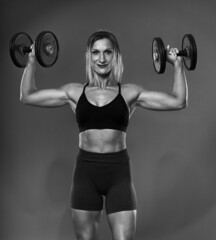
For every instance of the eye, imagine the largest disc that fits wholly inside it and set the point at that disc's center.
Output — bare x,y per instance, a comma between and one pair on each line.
108,52
95,52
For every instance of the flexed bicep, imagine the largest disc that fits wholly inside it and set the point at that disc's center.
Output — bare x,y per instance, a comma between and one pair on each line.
46,98
158,101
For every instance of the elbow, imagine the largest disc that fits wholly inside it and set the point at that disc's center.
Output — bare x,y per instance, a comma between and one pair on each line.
26,97
23,99
182,105
186,104
180,102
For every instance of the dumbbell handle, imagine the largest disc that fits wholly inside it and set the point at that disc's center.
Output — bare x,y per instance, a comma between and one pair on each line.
183,53
49,49
24,50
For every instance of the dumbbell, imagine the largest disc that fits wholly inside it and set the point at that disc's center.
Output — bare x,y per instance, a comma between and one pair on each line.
46,48
188,52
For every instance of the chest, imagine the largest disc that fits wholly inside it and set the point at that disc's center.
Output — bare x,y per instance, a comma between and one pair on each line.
100,97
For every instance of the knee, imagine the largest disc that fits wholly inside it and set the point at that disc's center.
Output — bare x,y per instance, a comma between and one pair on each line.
85,235
85,224
85,231
125,234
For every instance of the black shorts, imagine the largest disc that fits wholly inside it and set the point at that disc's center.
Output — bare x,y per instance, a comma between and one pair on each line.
103,174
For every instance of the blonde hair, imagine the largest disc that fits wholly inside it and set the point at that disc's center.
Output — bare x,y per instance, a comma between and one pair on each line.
117,64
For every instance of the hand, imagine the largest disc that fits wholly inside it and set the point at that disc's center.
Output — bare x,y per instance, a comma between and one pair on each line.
31,55
172,56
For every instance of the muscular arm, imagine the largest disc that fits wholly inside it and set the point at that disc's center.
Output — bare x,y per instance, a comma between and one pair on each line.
176,100
43,98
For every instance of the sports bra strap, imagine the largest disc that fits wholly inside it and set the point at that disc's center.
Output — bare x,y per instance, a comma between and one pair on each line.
119,88
85,86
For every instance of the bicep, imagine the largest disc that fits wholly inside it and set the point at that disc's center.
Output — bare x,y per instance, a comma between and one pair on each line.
157,101
46,98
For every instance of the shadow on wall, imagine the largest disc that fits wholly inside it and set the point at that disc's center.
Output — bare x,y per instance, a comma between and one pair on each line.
59,178
58,186
183,193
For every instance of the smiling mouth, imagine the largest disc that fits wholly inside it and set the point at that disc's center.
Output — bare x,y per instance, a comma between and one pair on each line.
102,66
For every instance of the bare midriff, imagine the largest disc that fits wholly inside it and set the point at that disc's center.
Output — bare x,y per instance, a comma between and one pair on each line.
102,141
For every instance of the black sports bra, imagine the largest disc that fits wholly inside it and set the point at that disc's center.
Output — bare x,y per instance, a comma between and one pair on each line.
114,115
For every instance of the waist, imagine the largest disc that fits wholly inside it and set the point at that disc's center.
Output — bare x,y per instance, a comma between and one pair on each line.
102,141
111,157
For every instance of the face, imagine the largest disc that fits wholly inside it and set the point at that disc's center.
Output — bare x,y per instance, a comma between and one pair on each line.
101,56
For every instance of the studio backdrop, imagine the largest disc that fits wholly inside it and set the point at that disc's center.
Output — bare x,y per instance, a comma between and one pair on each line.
173,154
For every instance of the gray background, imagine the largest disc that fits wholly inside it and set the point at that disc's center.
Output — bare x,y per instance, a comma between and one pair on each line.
172,153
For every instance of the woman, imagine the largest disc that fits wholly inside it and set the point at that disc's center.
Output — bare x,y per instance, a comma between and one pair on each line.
103,108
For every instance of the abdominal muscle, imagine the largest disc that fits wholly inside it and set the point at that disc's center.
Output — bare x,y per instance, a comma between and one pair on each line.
102,141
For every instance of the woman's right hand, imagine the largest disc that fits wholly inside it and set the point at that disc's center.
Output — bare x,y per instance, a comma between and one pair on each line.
31,56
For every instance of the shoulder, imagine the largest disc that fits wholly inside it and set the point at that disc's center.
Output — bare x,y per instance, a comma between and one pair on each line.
131,88
73,90
131,93
72,86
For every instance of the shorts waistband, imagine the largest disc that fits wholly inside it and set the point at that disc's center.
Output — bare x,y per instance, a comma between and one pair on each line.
114,157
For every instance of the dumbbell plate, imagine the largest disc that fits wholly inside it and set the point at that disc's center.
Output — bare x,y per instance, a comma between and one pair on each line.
158,55
188,43
46,48
18,42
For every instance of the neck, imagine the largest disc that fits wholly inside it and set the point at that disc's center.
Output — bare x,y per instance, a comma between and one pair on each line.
103,81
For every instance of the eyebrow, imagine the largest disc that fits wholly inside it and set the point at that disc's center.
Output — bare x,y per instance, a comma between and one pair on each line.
93,49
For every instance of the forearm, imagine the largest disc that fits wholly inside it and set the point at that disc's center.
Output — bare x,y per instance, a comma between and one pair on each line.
180,88
28,80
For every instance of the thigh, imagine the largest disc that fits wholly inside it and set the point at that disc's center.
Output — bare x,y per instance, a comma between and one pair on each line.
85,223
121,195
123,224
84,193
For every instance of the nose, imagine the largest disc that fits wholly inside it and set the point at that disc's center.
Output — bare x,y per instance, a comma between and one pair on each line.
102,58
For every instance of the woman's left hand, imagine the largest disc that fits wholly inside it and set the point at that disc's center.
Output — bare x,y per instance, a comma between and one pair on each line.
172,56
